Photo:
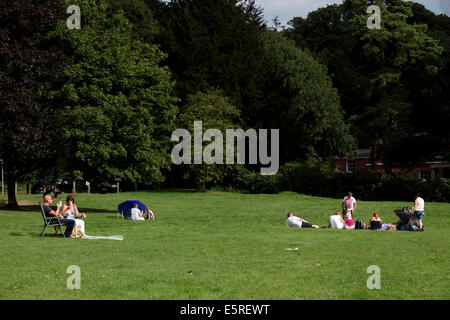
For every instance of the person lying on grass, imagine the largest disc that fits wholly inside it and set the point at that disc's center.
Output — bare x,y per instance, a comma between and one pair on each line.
49,212
70,211
296,222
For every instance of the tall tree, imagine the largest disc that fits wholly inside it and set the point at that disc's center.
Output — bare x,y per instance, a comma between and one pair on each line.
214,43
380,74
394,52
301,101
29,60
215,111
116,99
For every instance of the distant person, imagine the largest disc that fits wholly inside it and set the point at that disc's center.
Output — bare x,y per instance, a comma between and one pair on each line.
419,210
375,222
336,221
349,220
49,212
136,214
70,211
296,222
349,204
150,214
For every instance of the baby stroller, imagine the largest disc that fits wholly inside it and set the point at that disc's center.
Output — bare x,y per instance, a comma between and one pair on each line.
406,221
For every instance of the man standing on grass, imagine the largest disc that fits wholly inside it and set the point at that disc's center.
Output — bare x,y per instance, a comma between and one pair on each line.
296,222
348,205
49,213
419,210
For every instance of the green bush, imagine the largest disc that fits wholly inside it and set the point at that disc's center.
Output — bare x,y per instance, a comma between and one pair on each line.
313,180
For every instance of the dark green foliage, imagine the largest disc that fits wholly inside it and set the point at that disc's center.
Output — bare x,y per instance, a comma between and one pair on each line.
316,180
388,79
301,101
213,43
28,61
116,100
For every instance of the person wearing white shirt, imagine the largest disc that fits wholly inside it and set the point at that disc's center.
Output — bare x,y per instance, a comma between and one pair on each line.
336,221
419,210
296,222
136,214
349,204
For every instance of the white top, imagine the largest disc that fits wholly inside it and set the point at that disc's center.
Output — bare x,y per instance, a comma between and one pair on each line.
420,204
70,214
335,222
349,202
135,213
293,222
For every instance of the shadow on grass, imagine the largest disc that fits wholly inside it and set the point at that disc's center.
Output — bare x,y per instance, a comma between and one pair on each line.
34,208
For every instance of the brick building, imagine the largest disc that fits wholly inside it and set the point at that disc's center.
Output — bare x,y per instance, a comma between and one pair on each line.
360,160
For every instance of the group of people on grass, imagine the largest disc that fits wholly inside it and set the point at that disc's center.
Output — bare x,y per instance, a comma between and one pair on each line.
70,217
344,219
137,214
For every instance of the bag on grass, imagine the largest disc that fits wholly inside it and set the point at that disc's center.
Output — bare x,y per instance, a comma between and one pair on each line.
359,224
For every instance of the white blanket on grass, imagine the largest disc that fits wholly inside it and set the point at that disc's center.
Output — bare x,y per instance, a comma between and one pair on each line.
105,238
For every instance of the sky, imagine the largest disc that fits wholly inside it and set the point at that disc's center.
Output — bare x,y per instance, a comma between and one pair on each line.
287,9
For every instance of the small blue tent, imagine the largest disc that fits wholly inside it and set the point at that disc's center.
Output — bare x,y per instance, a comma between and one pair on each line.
125,207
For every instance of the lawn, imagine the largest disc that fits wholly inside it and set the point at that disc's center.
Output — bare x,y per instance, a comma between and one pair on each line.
234,244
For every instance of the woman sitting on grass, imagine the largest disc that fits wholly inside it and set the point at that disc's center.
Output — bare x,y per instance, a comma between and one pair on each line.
375,222
70,211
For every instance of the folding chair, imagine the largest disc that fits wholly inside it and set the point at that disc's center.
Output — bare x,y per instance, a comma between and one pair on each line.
50,222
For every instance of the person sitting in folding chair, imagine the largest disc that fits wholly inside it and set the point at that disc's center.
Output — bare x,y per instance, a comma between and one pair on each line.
70,211
49,212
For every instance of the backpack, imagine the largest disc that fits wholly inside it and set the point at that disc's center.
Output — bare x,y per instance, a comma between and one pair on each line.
359,224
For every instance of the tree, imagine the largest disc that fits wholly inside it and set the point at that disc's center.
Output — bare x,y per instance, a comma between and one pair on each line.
29,60
215,111
384,77
116,100
395,51
301,101
145,27
214,43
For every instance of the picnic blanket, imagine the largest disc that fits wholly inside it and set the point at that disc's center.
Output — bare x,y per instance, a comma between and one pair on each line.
103,238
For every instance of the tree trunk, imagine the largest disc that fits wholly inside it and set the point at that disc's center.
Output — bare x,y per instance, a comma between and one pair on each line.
135,186
204,179
74,187
12,200
118,187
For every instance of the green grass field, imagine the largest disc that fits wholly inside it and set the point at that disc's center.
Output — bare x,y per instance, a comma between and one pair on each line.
234,244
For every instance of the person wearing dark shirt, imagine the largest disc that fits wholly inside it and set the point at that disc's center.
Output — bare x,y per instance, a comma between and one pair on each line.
375,222
50,213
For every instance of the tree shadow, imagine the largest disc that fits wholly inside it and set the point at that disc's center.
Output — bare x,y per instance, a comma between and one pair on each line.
34,208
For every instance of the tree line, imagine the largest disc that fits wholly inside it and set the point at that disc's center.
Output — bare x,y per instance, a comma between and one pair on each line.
101,102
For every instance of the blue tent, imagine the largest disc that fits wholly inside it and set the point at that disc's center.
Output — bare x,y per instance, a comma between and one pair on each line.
125,207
